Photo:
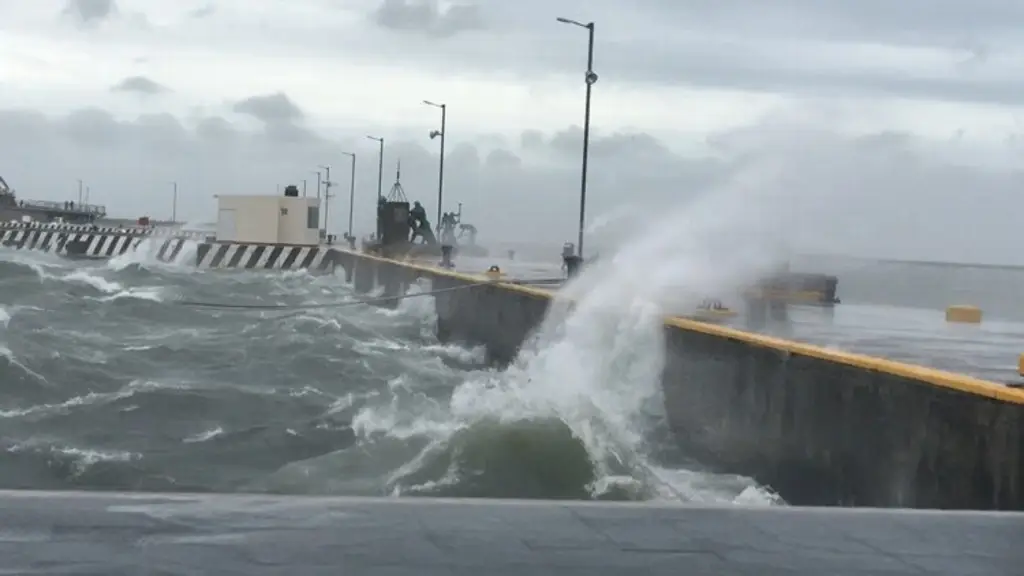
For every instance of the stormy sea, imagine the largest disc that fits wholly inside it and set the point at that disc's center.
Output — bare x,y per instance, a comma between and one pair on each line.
109,381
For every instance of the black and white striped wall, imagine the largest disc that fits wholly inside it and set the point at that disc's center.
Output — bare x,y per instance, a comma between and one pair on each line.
141,231
96,243
82,241
248,256
68,242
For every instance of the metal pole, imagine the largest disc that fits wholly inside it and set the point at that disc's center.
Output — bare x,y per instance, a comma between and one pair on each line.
589,79
87,190
586,136
303,187
351,192
319,183
440,168
380,167
174,205
327,195
79,191
380,171
380,182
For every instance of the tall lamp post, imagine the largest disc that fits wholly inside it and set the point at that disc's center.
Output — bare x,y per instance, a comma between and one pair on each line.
440,168
327,194
590,78
380,179
174,203
380,166
351,191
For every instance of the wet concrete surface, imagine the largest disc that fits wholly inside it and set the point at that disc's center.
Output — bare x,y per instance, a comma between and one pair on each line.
92,533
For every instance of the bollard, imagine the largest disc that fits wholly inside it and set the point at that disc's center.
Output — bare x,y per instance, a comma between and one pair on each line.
963,315
573,263
446,256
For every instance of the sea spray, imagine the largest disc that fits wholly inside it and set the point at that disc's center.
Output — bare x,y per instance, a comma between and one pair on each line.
147,254
593,369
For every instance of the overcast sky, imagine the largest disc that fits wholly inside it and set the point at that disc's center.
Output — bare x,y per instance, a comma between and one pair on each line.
879,128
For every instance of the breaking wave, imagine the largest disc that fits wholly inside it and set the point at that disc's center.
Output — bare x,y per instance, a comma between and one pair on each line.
111,384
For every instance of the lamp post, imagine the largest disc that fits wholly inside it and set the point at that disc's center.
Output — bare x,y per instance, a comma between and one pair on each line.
380,180
327,194
351,191
174,203
590,79
440,168
380,166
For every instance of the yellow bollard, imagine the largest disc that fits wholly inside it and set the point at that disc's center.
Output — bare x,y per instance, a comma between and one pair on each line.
963,314
1020,365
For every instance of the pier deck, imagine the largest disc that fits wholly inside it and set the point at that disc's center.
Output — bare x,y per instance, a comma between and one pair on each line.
92,533
916,336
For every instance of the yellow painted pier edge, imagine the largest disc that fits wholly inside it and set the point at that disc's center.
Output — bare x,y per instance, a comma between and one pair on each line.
821,427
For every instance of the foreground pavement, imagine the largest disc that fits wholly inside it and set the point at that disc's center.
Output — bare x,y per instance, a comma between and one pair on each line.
112,534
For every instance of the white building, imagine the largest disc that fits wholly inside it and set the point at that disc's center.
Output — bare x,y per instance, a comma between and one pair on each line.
268,219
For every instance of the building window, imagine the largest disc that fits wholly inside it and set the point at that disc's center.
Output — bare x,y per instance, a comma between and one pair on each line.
284,211
313,217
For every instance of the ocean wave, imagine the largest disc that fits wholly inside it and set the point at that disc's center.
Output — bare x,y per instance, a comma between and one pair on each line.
112,383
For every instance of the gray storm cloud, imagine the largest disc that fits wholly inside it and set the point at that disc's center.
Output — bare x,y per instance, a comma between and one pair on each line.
875,195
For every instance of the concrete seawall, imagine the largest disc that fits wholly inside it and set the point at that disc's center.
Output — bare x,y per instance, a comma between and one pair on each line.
821,427
83,241
171,246
71,241
247,256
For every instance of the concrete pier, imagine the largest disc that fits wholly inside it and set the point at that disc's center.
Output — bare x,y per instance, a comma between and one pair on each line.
822,427
75,533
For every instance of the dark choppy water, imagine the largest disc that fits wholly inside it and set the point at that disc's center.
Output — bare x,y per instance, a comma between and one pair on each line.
107,383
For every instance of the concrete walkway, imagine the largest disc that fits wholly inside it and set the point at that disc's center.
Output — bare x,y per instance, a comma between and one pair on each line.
75,533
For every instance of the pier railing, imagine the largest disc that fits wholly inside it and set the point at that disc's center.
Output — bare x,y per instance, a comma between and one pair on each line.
66,207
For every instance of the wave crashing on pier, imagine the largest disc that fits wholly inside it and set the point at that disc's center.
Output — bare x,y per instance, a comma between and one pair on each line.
112,385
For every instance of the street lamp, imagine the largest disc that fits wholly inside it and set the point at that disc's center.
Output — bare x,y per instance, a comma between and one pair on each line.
351,191
590,78
327,193
380,179
380,166
440,169
174,204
